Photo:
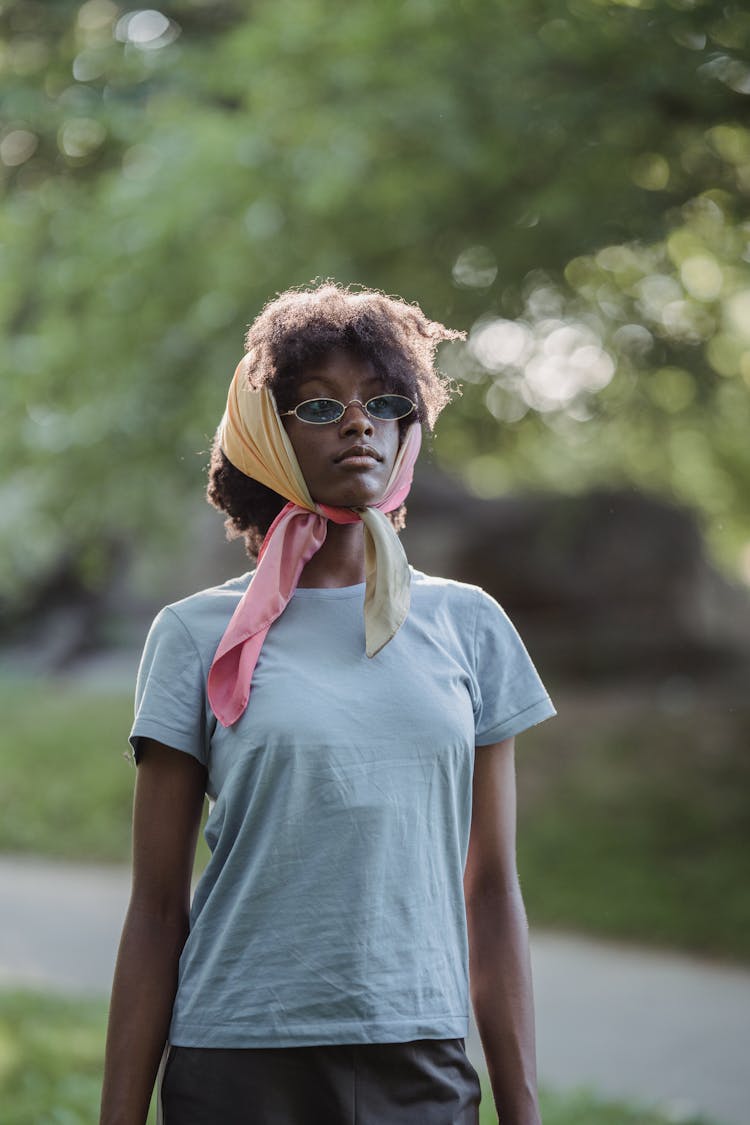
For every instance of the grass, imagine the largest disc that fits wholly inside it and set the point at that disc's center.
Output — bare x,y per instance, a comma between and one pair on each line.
635,824
633,819
67,789
51,1061
67,772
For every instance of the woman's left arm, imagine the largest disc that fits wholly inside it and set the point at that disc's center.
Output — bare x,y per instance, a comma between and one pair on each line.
499,966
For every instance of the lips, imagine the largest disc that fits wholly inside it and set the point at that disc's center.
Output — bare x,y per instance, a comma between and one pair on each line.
358,453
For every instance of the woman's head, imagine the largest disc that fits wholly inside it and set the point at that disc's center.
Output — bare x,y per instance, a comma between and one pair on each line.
347,462
300,332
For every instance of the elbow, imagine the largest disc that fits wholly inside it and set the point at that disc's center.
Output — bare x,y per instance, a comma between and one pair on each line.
497,891
495,913
158,914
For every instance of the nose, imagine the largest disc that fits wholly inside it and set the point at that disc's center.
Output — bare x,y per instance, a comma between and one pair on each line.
355,419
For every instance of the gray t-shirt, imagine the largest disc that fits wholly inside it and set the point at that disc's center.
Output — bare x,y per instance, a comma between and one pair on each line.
332,908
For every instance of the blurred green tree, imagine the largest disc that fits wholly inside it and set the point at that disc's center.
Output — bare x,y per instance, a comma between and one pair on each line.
567,181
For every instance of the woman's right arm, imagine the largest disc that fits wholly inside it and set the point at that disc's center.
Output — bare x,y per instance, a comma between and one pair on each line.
169,791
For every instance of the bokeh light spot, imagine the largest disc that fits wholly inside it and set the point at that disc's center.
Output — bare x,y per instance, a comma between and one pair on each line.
147,29
655,292
634,340
17,146
505,404
732,142
683,320
616,259
702,277
95,15
732,72
89,65
685,37
724,353
498,344
737,311
650,171
475,268
79,137
558,374
683,244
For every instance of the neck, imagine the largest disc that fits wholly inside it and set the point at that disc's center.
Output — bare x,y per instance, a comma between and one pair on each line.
341,559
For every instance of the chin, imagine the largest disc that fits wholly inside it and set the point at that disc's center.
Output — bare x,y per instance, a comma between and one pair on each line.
352,493
352,500
353,496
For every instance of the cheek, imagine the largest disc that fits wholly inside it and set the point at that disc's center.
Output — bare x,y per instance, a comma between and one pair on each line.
299,441
393,447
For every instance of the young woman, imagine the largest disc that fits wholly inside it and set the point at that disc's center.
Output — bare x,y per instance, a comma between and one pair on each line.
352,721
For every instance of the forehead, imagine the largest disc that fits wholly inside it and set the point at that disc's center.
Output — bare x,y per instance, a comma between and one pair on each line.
340,372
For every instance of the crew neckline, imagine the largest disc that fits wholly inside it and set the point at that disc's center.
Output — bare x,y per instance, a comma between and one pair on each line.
329,591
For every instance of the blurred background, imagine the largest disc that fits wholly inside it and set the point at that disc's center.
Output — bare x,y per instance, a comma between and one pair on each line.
568,182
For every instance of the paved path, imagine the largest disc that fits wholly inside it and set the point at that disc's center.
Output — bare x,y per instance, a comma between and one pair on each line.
645,1026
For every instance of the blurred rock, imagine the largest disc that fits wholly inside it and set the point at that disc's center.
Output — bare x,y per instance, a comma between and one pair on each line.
58,618
611,582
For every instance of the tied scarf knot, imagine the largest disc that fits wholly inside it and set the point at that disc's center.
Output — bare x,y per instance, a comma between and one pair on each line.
254,440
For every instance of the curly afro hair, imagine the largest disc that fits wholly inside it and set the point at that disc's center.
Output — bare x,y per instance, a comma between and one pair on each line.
297,331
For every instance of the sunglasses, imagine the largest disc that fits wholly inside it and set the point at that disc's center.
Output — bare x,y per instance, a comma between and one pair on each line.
383,408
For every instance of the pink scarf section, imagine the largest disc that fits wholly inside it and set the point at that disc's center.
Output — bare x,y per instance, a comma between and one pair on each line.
291,541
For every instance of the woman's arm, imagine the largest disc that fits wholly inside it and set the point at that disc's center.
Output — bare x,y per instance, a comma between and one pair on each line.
499,967
169,792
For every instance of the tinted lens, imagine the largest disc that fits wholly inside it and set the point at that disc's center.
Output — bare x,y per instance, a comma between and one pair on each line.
319,410
389,407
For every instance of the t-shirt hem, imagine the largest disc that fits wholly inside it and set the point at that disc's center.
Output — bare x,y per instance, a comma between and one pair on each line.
521,721
251,1035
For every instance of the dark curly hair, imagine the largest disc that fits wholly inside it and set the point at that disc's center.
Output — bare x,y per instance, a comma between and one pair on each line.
298,330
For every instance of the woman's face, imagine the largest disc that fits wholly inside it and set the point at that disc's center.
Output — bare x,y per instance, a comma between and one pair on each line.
347,463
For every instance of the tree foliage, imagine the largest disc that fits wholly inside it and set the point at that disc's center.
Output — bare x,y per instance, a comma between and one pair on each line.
567,181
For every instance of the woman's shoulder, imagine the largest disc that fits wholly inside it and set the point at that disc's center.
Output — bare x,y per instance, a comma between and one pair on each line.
213,598
461,602
469,605
449,590
204,615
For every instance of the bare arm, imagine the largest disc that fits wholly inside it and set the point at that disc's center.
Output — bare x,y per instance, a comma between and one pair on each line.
499,966
169,792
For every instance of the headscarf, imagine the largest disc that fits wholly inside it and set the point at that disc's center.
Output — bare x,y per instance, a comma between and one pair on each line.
254,440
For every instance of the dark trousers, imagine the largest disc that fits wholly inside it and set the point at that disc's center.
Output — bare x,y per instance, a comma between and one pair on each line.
425,1082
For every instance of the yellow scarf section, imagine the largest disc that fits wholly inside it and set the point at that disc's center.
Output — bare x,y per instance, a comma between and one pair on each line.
254,440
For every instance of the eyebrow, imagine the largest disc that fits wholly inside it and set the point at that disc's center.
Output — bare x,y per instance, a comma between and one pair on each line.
321,380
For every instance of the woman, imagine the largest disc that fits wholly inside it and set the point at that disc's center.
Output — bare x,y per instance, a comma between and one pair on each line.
329,703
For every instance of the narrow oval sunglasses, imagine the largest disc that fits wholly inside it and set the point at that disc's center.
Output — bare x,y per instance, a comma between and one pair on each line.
383,408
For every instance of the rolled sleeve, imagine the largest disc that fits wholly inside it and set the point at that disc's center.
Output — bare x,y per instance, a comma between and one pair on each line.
511,696
170,696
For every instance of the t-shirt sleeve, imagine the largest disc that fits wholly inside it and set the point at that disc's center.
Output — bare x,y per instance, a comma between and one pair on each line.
170,693
511,697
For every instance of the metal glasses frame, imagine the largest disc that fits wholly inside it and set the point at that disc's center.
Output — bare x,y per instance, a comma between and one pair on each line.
345,407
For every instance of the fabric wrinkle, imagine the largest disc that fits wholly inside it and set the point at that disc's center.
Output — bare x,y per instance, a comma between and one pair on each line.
330,909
